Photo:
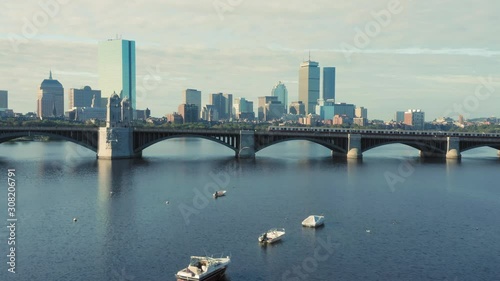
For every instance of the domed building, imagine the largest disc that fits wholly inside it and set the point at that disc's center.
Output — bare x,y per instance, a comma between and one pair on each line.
50,100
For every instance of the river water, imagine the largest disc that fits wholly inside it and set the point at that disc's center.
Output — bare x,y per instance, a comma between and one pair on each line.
391,216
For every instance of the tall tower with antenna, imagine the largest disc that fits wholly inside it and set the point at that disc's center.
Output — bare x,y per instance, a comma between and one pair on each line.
309,75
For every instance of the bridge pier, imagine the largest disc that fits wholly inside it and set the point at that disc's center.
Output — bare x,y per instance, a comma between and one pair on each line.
453,148
116,143
354,146
246,147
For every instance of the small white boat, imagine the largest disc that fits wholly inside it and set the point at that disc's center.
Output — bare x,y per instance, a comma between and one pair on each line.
313,221
204,268
272,235
219,193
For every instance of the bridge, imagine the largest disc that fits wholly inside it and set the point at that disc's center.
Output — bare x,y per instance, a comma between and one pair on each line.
129,142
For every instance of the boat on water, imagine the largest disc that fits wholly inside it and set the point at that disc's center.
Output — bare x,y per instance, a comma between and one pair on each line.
204,268
313,221
219,193
272,235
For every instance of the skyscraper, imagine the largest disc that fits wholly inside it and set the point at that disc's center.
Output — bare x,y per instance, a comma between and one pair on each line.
192,96
243,109
328,83
399,117
309,85
50,100
117,69
4,99
85,97
189,112
223,103
281,92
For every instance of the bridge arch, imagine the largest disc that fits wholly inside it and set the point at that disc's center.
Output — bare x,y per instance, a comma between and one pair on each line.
4,137
155,141
331,146
471,147
419,145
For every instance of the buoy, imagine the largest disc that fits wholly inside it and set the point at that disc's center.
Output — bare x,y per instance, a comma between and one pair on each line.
166,202
74,219
368,231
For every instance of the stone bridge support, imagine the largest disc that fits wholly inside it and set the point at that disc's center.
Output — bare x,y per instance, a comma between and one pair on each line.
246,147
354,146
116,143
453,148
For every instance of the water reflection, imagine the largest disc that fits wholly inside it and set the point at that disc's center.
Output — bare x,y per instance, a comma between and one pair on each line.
113,214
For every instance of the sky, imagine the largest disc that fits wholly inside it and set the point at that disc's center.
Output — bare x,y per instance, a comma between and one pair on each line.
391,55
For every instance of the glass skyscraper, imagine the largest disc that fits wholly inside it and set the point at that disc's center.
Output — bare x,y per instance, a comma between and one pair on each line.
328,83
117,69
281,92
309,85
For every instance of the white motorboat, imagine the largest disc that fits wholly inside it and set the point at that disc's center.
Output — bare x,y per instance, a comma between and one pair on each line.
219,193
272,235
313,221
204,268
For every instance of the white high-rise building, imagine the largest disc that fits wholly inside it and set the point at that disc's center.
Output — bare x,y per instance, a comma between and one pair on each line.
117,69
309,85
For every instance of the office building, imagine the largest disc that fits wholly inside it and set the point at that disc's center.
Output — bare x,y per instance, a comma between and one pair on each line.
142,114
84,97
209,113
50,99
399,117
297,108
341,119
117,69
361,112
4,99
192,96
174,118
223,103
326,109
189,113
309,85
280,91
309,120
329,83
360,116
415,118
243,109
270,108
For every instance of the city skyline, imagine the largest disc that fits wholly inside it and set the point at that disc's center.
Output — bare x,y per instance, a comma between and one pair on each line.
242,51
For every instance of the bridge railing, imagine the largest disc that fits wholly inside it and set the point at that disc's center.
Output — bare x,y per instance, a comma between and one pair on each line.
377,131
194,131
86,129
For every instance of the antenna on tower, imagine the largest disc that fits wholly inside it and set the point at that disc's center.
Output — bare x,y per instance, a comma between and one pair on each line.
309,55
